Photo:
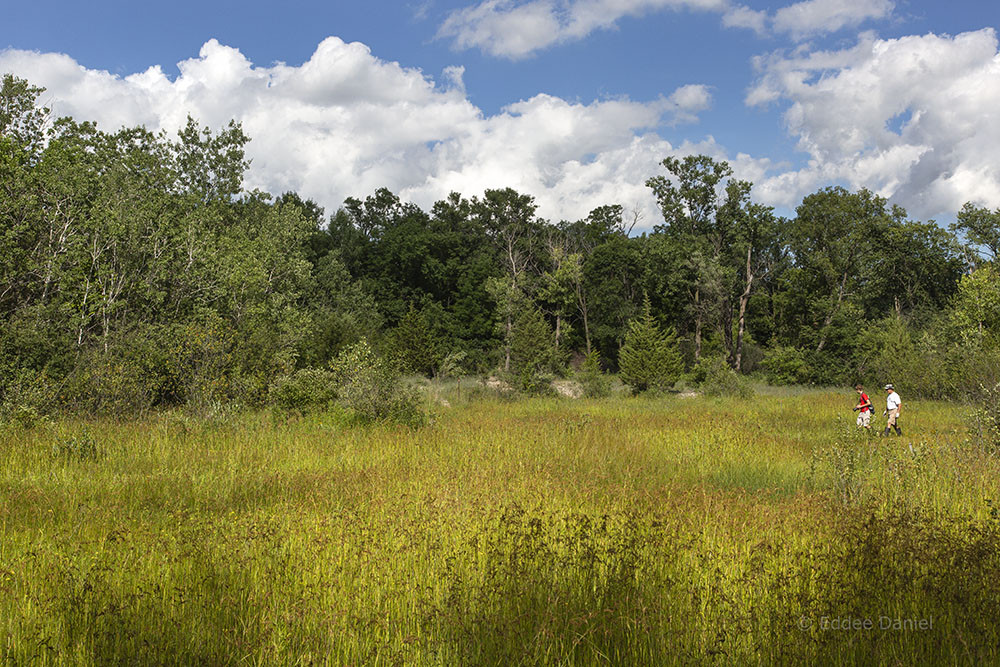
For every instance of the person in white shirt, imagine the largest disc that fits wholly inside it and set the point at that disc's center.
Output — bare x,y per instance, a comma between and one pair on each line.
893,406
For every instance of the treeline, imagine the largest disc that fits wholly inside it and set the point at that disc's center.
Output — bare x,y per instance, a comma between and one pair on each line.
137,271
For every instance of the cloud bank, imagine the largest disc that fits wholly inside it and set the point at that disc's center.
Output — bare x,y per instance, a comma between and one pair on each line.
813,17
345,123
514,30
912,118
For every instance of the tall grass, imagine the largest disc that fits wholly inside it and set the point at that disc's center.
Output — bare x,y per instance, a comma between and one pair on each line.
636,531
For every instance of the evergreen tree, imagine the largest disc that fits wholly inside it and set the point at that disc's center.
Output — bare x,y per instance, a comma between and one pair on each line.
650,358
412,344
595,383
532,353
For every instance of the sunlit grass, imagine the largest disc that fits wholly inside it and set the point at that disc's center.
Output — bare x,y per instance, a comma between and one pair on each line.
642,531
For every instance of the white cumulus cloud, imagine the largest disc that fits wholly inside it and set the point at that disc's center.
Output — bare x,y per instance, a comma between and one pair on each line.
514,30
345,123
911,118
813,17
741,16
518,28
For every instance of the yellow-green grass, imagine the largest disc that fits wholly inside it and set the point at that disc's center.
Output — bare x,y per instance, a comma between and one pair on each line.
623,531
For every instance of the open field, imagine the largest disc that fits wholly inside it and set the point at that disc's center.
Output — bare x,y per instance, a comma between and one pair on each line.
622,531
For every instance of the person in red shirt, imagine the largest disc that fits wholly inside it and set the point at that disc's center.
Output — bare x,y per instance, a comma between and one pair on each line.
863,408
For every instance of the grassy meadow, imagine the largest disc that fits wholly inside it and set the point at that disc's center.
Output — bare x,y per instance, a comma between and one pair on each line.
652,531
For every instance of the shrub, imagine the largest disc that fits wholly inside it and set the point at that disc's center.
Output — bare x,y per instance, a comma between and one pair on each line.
200,360
453,365
27,399
124,380
894,356
985,422
721,380
785,365
533,356
370,387
650,358
413,345
303,390
77,447
595,383
24,416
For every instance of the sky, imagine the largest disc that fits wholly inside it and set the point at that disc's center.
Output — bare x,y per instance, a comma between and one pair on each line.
575,102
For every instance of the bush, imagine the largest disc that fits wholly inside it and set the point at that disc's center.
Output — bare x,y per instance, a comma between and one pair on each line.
985,422
77,447
785,365
453,365
123,381
533,357
27,399
413,345
153,366
595,383
23,416
941,362
304,390
370,388
894,355
650,358
721,380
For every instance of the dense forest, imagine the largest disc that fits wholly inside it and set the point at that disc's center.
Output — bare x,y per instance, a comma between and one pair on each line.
137,271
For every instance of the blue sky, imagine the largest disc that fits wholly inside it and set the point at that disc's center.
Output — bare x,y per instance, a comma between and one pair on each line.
572,101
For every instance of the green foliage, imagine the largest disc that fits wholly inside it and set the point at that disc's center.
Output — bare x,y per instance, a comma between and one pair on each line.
341,311
785,364
304,390
533,357
122,382
371,389
77,447
596,384
21,120
650,358
893,355
200,360
23,416
892,348
612,281
28,397
452,366
138,272
412,344
722,380
981,226
955,356
985,420
975,314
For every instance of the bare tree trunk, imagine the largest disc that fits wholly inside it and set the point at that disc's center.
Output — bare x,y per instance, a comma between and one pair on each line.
517,263
581,301
726,313
83,312
697,323
833,311
744,300
506,347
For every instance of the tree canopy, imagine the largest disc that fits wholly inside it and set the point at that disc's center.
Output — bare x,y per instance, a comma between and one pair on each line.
136,270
